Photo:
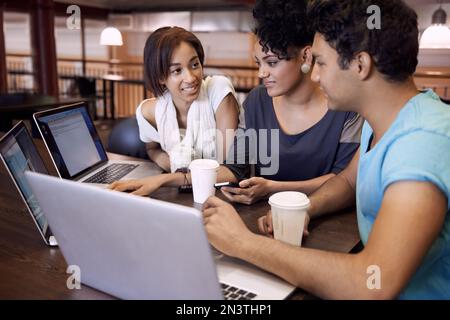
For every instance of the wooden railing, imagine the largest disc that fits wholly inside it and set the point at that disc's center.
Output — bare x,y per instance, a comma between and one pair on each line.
436,80
127,93
20,77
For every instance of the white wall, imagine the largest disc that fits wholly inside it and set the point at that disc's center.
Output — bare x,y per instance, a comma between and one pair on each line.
224,35
225,45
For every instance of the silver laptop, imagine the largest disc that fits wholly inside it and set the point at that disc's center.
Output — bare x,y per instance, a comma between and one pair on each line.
19,154
140,248
77,151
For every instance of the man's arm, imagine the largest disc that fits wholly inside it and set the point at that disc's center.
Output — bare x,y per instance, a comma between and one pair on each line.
401,236
336,193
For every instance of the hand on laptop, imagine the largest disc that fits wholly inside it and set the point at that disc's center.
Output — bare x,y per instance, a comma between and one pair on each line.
224,226
265,225
250,191
140,187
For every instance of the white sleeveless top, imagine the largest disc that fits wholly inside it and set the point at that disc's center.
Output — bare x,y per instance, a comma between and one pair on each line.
199,139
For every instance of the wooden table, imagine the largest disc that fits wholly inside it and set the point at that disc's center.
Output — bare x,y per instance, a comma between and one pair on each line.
31,270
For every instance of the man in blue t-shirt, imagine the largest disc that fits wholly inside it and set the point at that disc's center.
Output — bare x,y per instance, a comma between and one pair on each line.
399,178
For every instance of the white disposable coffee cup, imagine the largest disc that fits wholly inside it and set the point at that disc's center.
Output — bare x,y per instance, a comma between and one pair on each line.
288,216
204,176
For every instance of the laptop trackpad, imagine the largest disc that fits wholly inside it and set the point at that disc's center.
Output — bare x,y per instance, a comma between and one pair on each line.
144,169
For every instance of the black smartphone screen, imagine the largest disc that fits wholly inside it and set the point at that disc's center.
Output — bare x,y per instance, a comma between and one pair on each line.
226,184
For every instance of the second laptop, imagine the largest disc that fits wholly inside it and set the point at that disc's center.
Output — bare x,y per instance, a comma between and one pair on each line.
77,151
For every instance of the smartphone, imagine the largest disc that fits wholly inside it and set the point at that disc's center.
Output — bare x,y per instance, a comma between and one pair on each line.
226,184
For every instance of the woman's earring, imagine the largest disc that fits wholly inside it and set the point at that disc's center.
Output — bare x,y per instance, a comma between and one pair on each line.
306,68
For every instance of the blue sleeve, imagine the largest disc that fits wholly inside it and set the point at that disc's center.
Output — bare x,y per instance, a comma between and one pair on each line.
418,156
348,142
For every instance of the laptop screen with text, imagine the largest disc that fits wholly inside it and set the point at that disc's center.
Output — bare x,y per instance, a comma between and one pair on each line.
72,140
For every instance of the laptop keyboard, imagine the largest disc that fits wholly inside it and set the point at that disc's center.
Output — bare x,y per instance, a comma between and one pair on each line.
233,293
111,173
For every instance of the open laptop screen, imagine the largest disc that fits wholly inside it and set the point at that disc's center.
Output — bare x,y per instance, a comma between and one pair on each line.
72,139
19,154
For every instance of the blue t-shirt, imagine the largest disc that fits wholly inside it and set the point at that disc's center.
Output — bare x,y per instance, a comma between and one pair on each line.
416,147
326,147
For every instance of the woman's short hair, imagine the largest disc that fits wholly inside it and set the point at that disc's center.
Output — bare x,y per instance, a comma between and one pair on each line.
158,52
282,25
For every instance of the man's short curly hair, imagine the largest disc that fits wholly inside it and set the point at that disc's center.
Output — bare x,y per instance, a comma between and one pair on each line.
281,25
394,47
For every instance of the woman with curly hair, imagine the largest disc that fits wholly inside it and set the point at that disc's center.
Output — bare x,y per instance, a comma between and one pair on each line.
312,143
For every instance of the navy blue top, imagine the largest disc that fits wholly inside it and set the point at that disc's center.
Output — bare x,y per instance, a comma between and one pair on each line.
326,147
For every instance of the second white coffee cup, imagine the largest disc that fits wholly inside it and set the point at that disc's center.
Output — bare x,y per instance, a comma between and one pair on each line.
204,176
288,216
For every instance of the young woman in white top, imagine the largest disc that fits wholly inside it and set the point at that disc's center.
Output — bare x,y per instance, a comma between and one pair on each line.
190,117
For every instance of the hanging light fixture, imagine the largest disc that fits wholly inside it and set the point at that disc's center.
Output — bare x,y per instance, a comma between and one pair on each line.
111,37
437,36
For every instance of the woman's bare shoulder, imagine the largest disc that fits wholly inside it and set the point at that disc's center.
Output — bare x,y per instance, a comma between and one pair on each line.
148,108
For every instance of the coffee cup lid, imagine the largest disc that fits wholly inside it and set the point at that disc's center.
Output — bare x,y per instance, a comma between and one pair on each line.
289,200
206,164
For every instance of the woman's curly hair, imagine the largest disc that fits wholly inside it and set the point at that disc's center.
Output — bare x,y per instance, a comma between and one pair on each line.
282,25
